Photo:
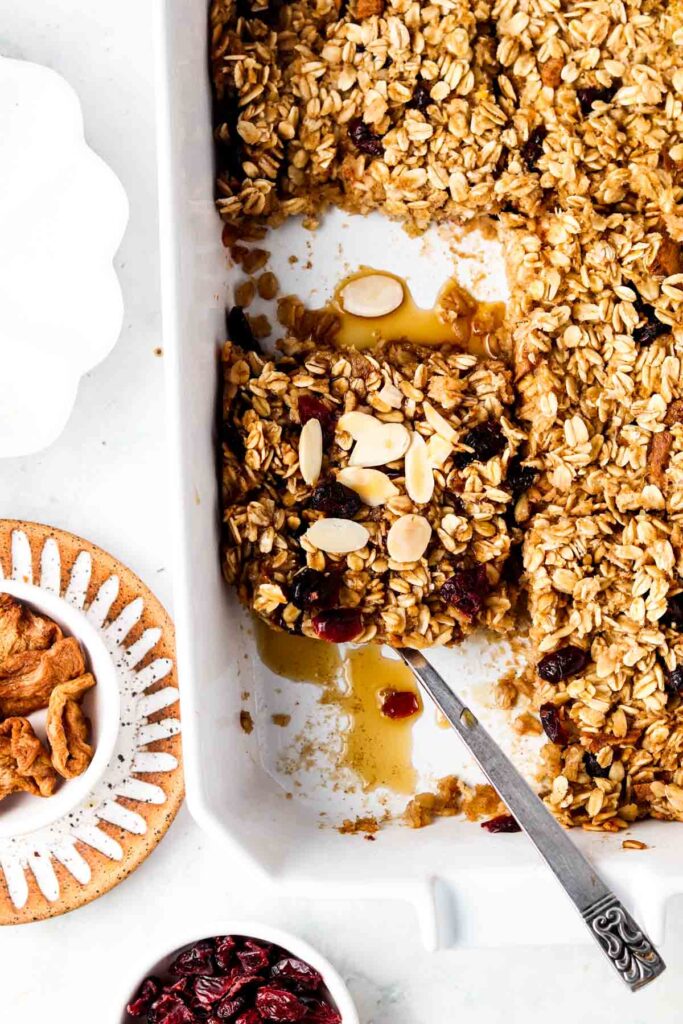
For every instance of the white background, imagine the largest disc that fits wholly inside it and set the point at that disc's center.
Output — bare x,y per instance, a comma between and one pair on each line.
106,479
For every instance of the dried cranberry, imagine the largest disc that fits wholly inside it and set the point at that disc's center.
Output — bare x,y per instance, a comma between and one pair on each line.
335,499
593,766
239,981
313,589
673,616
532,150
225,946
552,720
486,440
230,1007
170,1009
673,681
198,959
319,1012
421,99
144,997
278,1004
250,1017
466,590
239,330
595,93
520,477
400,704
312,408
253,957
207,991
364,138
301,974
338,626
503,823
562,663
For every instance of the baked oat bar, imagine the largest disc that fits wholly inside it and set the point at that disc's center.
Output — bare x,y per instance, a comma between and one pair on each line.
406,519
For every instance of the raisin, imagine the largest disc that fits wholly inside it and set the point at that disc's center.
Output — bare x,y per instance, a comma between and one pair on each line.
420,99
673,616
312,408
486,440
562,663
673,681
339,626
207,991
198,959
335,499
277,1004
595,93
593,766
144,997
520,477
296,971
313,589
225,946
552,720
253,957
503,823
239,330
652,328
400,704
532,150
466,590
364,138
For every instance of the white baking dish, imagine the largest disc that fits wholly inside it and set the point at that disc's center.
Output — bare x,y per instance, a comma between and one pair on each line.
467,886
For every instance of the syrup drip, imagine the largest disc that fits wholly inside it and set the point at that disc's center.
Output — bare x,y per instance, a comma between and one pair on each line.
378,749
473,330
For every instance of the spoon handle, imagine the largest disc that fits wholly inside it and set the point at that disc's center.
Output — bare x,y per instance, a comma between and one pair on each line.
628,948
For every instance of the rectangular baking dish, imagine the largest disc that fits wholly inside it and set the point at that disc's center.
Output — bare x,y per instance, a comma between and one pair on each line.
467,886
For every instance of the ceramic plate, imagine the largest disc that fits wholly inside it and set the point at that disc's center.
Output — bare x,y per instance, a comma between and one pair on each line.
63,851
62,217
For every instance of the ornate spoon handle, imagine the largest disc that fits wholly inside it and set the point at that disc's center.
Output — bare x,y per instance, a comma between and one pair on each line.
628,948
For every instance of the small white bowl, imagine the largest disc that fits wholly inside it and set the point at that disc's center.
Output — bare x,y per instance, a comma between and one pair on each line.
334,986
22,813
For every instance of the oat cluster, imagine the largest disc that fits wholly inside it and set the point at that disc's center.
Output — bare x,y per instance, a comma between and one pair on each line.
562,119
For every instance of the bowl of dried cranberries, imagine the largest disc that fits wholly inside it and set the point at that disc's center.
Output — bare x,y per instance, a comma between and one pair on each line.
243,974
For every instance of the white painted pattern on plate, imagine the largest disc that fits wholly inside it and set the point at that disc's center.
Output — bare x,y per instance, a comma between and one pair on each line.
36,852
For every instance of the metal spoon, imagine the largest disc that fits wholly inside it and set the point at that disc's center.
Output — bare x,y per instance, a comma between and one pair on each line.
628,948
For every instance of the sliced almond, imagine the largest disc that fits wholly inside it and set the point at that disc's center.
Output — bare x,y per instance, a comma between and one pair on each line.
372,295
419,473
373,487
408,538
337,536
358,424
437,422
391,395
381,446
311,451
438,451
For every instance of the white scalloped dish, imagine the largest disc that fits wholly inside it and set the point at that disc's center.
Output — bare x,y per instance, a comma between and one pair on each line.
62,216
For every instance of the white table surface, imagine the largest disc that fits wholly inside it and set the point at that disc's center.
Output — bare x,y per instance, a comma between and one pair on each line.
105,479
